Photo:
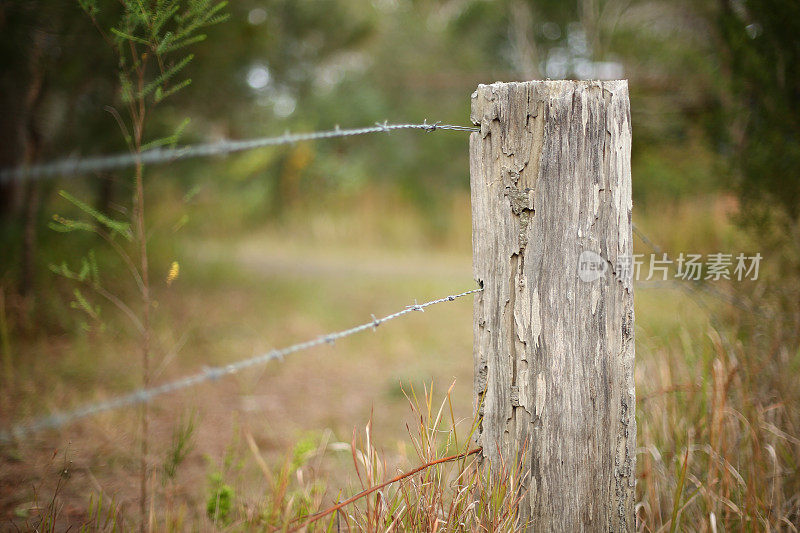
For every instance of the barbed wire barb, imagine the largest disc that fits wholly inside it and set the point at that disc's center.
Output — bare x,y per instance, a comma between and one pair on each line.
208,373
72,165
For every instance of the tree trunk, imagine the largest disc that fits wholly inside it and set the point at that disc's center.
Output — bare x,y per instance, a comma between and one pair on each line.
33,145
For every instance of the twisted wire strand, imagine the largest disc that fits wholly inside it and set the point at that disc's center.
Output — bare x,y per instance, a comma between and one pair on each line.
73,165
145,395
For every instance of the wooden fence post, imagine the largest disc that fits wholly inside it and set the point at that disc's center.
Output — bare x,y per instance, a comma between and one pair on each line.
553,327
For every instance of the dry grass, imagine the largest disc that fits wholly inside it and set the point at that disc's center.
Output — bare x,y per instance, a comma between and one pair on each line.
448,491
719,401
729,418
458,495
718,415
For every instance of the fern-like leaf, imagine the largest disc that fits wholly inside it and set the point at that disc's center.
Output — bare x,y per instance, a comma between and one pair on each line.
94,269
124,36
114,226
165,76
182,44
126,87
170,140
162,94
64,271
66,225
163,14
83,304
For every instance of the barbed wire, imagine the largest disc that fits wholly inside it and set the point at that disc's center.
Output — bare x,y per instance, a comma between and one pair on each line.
145,395
75,165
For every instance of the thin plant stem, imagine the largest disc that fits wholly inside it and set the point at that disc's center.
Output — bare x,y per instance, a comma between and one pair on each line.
138,115
124,256
5,344
366,492
121,306
145,338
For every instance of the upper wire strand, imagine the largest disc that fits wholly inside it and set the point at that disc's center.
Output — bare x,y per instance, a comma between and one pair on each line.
71,166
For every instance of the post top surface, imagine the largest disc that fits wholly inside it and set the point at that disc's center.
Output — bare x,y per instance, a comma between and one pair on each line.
585,83
553,86
491,101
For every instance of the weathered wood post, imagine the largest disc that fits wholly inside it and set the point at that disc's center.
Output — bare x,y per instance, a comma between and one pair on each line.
553,339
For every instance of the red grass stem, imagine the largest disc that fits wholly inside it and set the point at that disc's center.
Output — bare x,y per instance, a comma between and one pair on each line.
367,492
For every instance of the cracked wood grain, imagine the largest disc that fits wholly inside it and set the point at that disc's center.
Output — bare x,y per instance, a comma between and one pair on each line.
550,178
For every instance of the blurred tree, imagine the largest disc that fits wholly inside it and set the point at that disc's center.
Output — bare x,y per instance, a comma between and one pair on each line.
759,49
57,89
694,68
49,92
